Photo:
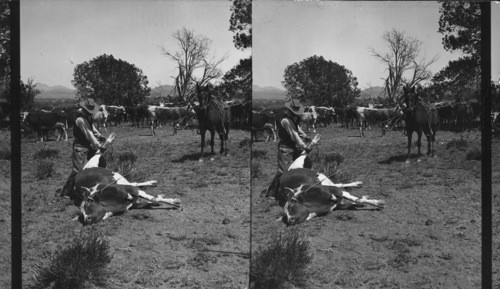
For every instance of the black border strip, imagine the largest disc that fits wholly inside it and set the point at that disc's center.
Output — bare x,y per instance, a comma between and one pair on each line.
15,128
486,224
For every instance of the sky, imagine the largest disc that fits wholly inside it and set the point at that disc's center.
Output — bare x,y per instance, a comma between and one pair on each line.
57,35
344,32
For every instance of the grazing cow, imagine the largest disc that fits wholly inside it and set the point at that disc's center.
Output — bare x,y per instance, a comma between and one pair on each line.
213,115
42,121
305,194
384,117
263,121
420,116
309,118
165,114
101,193
100,118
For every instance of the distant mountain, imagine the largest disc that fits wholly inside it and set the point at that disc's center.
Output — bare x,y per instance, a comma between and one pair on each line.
268,92
163,90
372,92
57,91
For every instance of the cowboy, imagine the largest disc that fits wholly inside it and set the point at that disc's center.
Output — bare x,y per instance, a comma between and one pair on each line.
86,141
292,141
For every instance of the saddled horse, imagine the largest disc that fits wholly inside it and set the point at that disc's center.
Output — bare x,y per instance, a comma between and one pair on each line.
420,116
213,115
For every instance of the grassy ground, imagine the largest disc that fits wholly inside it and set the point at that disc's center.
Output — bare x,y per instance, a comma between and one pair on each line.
427,237
205,245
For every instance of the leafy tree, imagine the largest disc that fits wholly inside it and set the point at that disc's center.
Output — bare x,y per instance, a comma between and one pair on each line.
241,23
402,60
28,93
191,57
237,82
322,82
110,80
460,24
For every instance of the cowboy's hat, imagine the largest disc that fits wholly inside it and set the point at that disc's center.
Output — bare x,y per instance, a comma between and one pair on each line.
89,105
295,107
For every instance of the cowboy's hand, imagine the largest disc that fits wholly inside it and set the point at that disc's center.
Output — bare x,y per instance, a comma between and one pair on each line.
316,139
101,138
111,138
306,139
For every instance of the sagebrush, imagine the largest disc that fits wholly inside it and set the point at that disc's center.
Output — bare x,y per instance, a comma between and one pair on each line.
282,262
46,153
45,169
76,265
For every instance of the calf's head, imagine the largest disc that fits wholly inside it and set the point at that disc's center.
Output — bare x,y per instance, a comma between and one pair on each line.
295,210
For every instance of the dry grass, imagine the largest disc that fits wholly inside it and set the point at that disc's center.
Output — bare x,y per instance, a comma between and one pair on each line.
45,169
46,154
282,262
82,262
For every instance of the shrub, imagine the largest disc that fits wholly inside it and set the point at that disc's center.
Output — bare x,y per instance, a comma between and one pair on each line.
46,154
81,262
257,154
246,142
122,162
459,144
327,164
474,154
5,154
256,170
282,262
45,169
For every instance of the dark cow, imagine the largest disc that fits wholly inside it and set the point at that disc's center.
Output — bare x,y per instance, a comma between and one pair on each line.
446,113
116,114
420,116
240,114
326,115
215,116
101,193
263,121
42,121
464,115
305,194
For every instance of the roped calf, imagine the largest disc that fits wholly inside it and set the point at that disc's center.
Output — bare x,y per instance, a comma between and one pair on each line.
101,193
307,194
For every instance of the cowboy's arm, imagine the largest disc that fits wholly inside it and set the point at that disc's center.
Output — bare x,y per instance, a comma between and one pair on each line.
293,134
84,126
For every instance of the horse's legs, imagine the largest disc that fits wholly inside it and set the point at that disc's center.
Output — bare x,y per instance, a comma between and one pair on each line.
212,136
222,142
409,135
419,141
202,133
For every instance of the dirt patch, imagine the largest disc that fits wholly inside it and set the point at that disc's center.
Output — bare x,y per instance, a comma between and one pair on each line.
205,245
426,237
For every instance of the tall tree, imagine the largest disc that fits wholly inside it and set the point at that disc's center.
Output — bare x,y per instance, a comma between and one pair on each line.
460,24
241,23
192,57
404,65
322,82
110,80
237,82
